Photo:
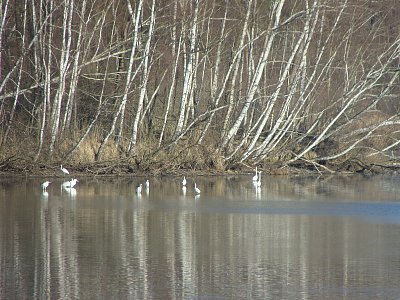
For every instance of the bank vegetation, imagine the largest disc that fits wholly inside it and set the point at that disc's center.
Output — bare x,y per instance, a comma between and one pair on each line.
162,86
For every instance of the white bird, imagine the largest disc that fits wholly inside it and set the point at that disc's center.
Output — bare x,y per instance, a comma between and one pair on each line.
64,170
70,183
45,185
184,181
147,184
139,189
255,177
196,189
73,182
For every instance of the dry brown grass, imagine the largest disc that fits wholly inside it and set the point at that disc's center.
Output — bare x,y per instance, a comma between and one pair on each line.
183,156
369,149
89,147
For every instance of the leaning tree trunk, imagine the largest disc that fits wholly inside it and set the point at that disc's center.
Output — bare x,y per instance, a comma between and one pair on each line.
63,69
188,72
276,13
146,71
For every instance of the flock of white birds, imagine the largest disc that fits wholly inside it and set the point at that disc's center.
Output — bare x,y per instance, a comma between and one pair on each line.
72,182
184,187
66,185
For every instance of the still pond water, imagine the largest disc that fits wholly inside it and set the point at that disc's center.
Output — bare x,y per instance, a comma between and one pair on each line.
294,238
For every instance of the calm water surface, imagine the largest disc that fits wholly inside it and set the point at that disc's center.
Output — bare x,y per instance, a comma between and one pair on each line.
295,238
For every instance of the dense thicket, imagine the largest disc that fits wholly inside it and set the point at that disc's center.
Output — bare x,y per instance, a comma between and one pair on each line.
220,82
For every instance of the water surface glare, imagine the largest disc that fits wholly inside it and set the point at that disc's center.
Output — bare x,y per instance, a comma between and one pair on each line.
294,238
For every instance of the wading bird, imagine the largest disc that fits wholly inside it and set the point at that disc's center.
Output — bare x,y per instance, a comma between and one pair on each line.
255,177
45,185
70,183
196,189
64,170
184,181
139,189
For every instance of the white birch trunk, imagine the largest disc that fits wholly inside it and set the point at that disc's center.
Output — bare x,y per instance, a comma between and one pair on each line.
143,90
130,77
215,78
188,73
348,99
41,72
18,83
75,74
277,93
3,15
130,74
258,73
63,68
236,70
170,92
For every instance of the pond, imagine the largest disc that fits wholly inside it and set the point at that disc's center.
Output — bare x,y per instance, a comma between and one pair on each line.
308,237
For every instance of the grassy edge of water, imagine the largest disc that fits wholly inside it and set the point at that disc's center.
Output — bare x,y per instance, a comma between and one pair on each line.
184,158
17,166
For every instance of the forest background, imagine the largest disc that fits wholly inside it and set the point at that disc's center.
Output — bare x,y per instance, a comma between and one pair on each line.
121,86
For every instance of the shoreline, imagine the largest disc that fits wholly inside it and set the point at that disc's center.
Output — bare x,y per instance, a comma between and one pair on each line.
23,168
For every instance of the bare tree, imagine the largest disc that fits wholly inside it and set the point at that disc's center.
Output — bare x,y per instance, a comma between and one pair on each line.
188,71
131,74
146,71
269,39
258,81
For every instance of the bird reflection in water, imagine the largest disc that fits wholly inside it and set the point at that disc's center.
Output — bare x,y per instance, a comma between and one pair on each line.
71,191
45,195
184,190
